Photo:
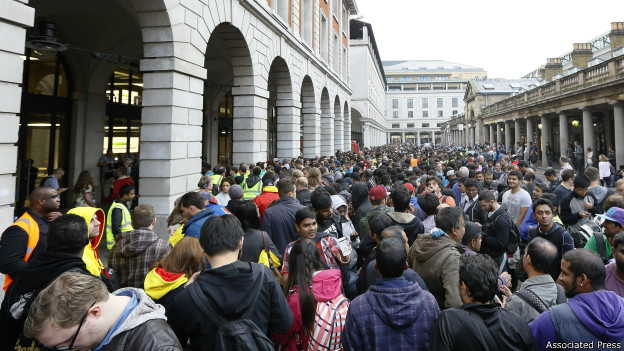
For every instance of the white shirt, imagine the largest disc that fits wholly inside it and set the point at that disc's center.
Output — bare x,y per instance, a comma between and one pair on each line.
605,169
515,201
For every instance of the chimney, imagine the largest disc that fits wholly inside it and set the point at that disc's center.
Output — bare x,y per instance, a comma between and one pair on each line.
616,37
581,53
552,68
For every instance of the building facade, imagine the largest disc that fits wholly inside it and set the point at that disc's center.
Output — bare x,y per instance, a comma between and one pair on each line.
170,82
422,96
368,103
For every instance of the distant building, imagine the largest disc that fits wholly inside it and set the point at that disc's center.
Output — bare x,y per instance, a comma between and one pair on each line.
423,95
368,81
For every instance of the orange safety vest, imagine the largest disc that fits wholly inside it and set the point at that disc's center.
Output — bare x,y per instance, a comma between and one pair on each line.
31,228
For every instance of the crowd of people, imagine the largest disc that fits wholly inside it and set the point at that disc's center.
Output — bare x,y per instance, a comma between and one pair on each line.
391,248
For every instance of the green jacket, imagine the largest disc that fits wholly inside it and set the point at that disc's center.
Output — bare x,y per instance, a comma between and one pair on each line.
363,227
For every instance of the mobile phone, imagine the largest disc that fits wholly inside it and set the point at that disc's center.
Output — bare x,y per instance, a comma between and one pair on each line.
345,248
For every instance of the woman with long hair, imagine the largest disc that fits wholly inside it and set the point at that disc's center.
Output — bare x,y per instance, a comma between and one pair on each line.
83,190
314,178
604,167
172,273
249,217
316,301
223,197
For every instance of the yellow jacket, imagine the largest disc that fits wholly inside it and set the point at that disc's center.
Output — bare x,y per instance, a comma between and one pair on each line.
90,256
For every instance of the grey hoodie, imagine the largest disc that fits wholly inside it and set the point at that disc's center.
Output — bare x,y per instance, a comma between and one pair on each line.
146,310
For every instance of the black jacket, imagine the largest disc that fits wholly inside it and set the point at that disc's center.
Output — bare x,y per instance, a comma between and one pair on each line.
476,213
456,330
228,288
153,335
304,196
34,277
565,213
254,244
13,244
496,233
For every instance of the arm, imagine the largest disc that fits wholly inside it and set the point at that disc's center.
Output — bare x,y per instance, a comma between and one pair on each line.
281,317
543,330
450,277
523,212
441,338
566,215
501,234
13,244
273,249
351,335
89,199
116,221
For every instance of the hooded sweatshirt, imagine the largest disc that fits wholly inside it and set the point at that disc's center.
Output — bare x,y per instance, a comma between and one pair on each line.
90,256
393,314
327,287
412,226
163,286
598,315
437,262
361,203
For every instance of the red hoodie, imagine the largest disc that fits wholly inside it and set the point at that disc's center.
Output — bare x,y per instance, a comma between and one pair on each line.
116,187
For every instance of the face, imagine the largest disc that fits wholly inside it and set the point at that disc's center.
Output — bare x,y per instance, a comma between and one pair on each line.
544,215
488,178
86,338
486,206
537,192
618,254
94,227
498,167
581,191
461,187
52,201
620,189
342,210
59,175
476,243
459,232
325,213
307,228
226,187
472,191
432,186
186,212
129,196
513,182
567,280
611,228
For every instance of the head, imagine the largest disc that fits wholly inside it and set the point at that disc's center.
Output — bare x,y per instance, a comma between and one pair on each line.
472,188
479,176
305,223
592,173
551,175
513,179
538,190
567,177
221,235
554,200
618,251
428,203
472,236
543,212
401,198
539,256
127,193
205,183
191,203
619,187
582,271
226,184
185,257
451,221
236,192
391,258
377,224
434,185
58,173
143,217
44,200
71,311
68,234
488,201
397,232
581,185
321,203
248,215
377,195
286,187
613,221
478,278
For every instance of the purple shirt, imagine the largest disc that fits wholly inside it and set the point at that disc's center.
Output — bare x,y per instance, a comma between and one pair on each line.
612,283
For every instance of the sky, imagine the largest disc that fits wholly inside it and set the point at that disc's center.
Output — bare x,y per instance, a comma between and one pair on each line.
506,38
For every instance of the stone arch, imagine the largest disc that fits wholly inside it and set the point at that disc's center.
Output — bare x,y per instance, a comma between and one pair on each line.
338,125
282,115
347,127
357,128
327,124
310,119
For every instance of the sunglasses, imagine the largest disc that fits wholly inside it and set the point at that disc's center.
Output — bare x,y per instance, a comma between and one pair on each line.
71,344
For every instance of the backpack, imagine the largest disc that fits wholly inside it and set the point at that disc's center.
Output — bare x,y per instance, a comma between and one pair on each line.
601,247
538,304
329,324
240,334
514,237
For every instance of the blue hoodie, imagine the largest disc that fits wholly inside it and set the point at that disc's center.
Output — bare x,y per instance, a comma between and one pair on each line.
194,225
601,312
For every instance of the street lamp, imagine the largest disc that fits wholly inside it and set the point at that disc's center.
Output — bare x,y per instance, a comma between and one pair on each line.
575,123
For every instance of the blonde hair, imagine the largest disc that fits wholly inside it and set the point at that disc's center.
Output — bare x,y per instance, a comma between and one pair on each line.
64,302
603,158
314,177
185,257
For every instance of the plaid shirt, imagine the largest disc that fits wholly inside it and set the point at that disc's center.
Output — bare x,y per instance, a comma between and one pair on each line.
328,324
134,253
329,250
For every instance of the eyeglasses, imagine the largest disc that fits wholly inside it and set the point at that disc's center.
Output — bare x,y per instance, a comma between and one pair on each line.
71,344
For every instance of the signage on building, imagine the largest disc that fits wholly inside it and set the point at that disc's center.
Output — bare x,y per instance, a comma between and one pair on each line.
460,127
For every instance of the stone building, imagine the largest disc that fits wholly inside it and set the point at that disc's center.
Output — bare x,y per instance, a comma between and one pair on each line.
168,82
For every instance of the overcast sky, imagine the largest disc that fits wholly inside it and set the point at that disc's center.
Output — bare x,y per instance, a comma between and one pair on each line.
506,38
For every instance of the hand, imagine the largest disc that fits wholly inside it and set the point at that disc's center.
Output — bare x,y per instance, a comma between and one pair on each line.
61,190
192,279
584,214
53,215
478,224
350,209
505,290
502,303
588,206
507,277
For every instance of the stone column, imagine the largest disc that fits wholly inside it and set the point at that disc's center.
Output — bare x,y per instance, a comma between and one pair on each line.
529,136
608,128
479,132
312,131
493,133
402,137
418,138
499,133
347,131
288,128
15,17
518,131
618,119
327,132
546,135
486,133
564,134
508,140
589,140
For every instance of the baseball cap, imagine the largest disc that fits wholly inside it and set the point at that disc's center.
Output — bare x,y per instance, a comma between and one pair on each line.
276,159
378,192
409,186
450,173
268,182
236,192
614,214
208,197
337,163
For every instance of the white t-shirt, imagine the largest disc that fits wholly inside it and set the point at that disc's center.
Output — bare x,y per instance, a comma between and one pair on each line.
605,169
515,201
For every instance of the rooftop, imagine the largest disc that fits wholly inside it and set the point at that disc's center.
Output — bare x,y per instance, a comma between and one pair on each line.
499,85
427,66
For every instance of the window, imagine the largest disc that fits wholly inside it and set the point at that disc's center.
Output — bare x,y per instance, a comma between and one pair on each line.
345,19
395,114
395,103
425,125
425,103
307,15
335,7
410,114
410,125
440,113
324,38
440,102
396,125
455,102
394,88
410,103
336,54
454,113
439,125
344,63
425,114
281,8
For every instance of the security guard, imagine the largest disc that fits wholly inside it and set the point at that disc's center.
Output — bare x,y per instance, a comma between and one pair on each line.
252,186
118,219
216,180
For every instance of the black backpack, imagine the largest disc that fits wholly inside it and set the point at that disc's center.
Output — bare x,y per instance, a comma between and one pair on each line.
234,335
601,247
514,237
